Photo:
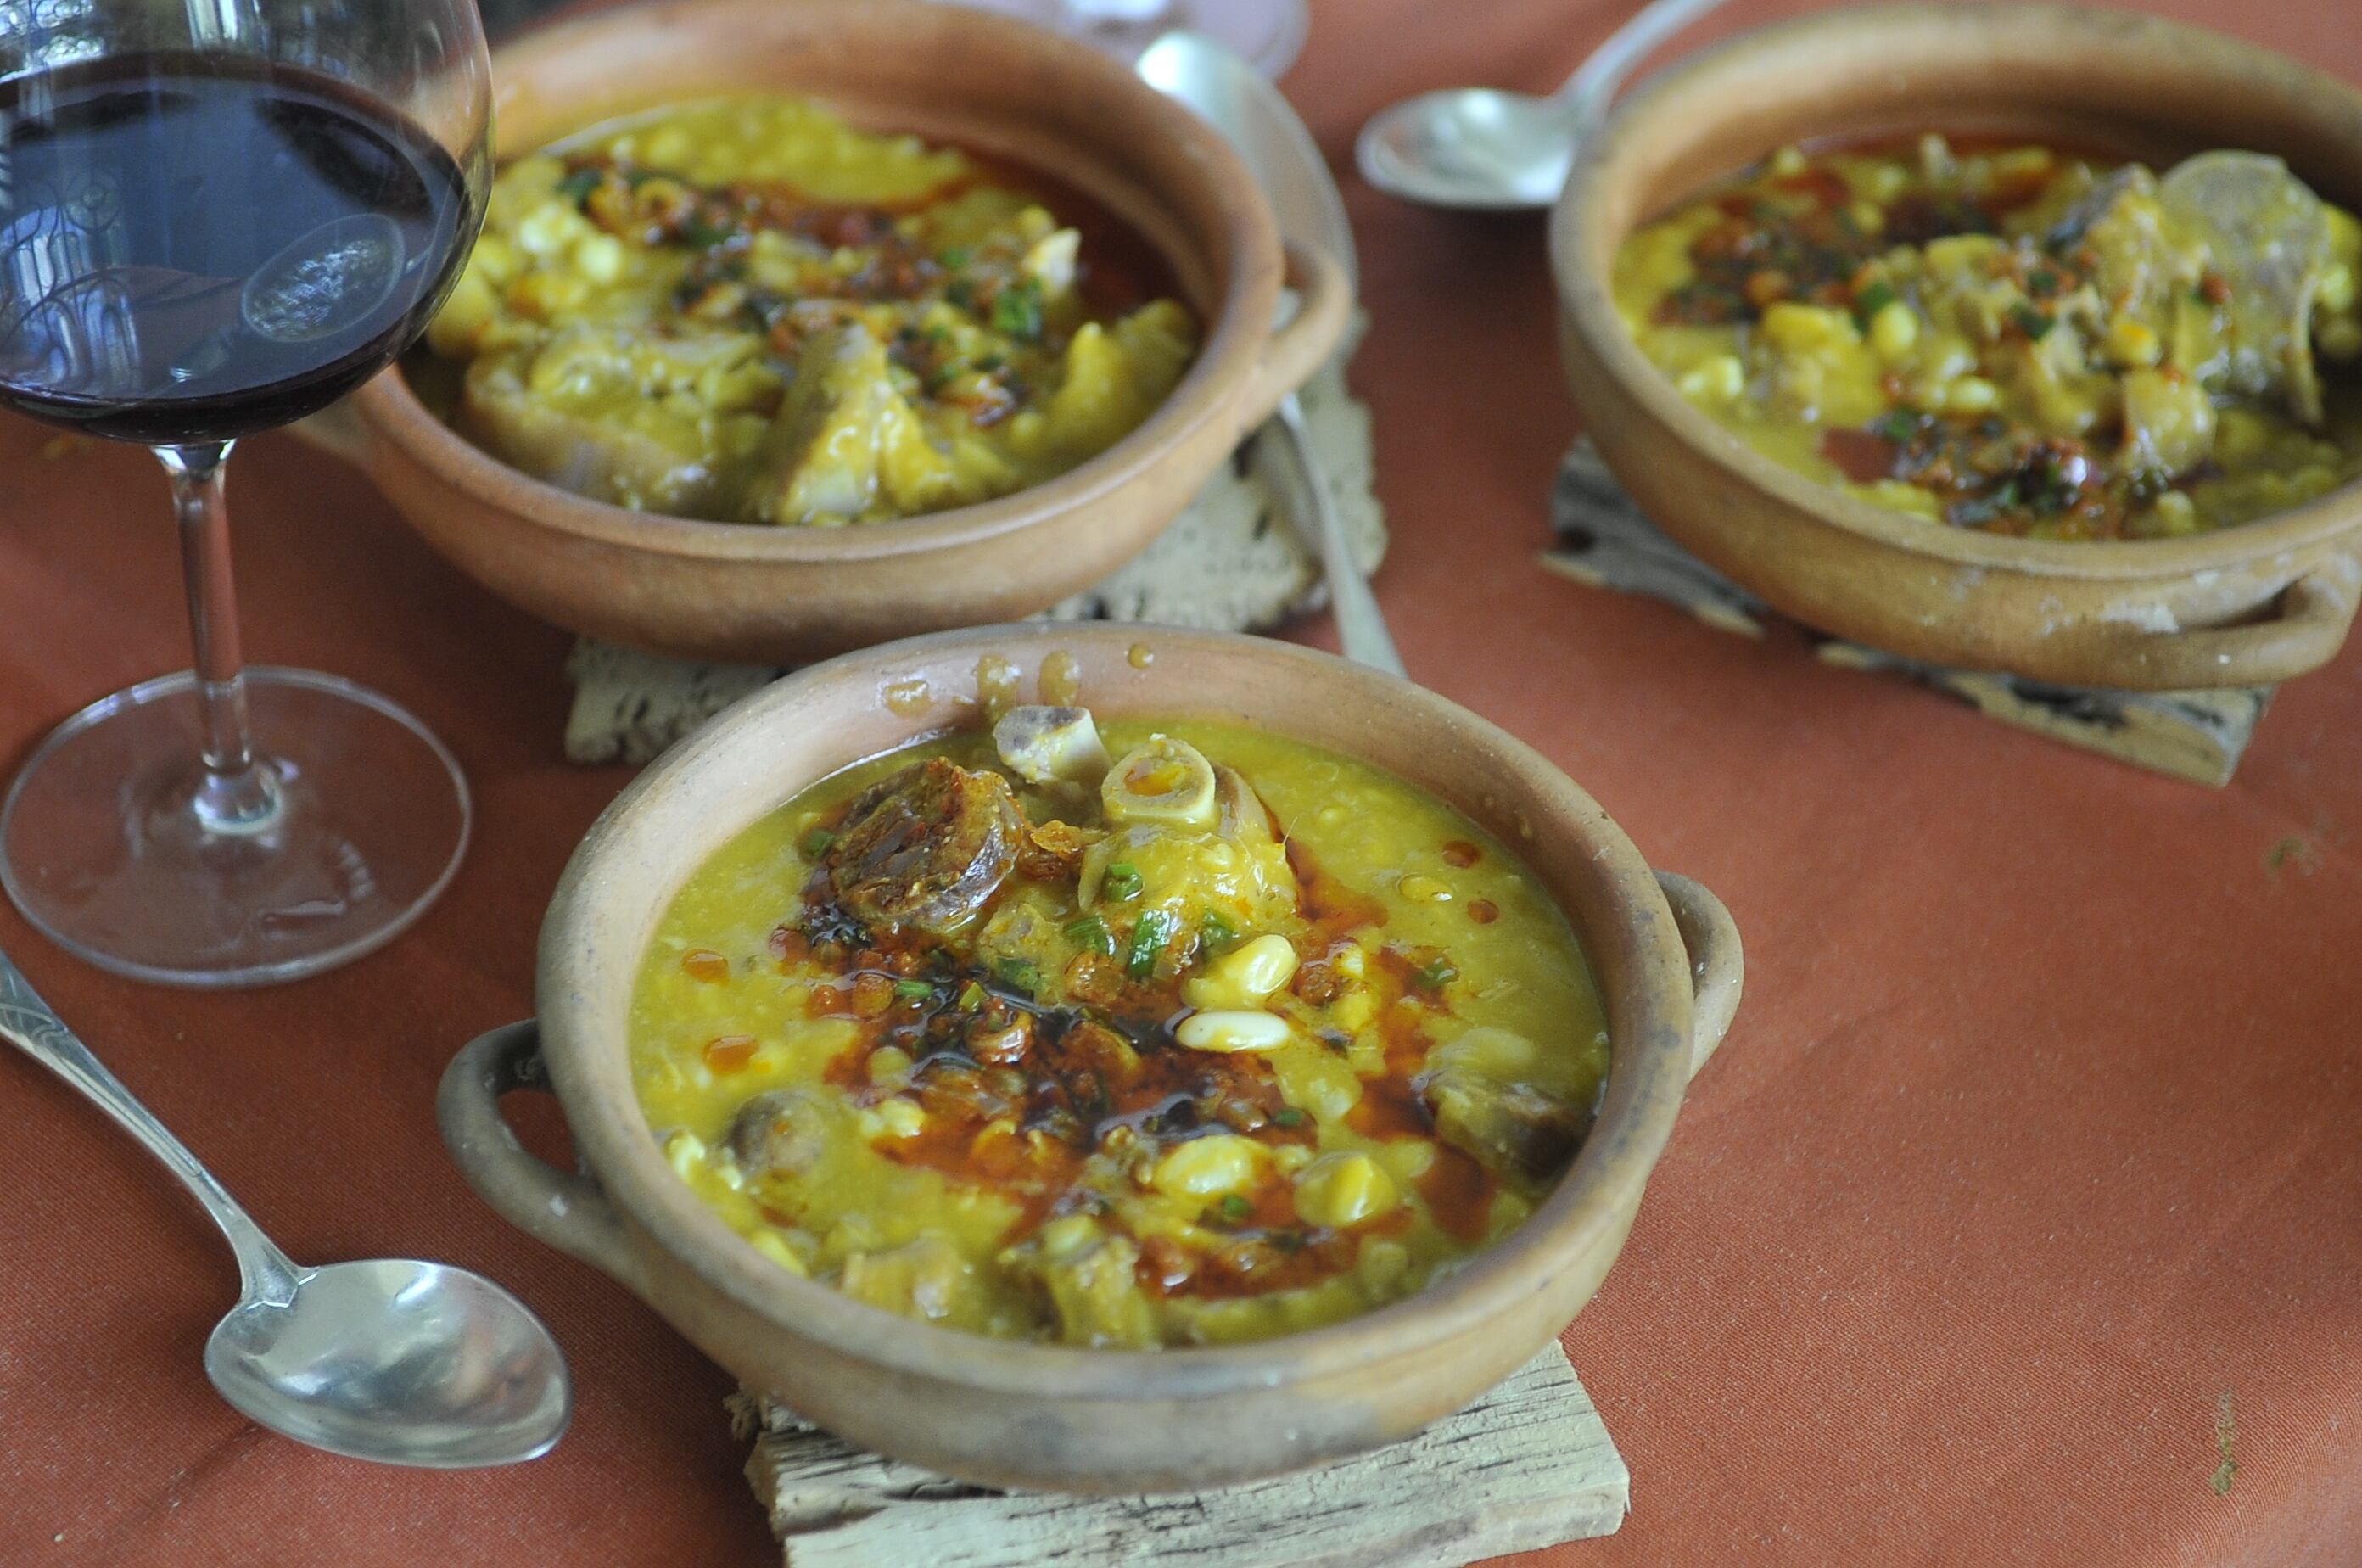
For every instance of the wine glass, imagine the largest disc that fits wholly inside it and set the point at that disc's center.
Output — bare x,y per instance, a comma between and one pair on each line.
216,217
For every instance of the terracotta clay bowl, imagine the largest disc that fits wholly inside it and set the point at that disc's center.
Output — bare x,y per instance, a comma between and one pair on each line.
719,590
1663,949
2243,606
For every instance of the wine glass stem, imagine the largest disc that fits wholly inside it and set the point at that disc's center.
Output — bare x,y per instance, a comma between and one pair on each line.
236,794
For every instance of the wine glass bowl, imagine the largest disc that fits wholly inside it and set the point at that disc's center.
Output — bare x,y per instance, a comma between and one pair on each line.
214,220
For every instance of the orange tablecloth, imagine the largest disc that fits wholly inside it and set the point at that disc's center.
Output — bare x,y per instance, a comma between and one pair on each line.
2034,1161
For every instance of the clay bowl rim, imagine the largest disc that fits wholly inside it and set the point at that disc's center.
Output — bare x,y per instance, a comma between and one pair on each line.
1234,334
1649,1016
1664,112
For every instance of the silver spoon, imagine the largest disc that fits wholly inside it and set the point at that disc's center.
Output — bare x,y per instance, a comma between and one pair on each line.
398,1361
1255,119
1486,148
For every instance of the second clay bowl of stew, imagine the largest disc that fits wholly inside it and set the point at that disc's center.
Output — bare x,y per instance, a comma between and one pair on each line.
1153,189
1087,1339
2254,603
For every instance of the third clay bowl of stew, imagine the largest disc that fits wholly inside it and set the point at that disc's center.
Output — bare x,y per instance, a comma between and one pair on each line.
2079,448
1104,1059
796,327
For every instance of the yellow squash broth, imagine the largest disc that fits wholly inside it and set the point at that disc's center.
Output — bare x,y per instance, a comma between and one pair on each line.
1519,1005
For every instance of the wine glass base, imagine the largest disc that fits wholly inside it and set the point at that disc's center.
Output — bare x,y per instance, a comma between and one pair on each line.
102,851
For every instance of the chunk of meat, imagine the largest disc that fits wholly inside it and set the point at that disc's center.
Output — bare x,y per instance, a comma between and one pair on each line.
785,1131
1509,1128
927,847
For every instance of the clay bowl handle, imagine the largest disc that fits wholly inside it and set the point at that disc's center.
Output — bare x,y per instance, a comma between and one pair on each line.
1717,964
2301,631
1302,343
568,1212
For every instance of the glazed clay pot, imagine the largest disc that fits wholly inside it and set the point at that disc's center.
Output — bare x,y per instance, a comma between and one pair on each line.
1663,949
2243,606
758,594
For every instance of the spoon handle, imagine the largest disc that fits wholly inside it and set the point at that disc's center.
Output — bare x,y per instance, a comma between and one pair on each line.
1587,91
33,1027
1360,625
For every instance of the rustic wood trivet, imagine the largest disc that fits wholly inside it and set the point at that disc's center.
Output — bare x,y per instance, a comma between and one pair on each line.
1528,1466
1230,562
1605,540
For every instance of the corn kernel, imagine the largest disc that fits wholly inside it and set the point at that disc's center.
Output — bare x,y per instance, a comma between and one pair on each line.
1971,394
2131,342
890,1066
1797,328
1867,217
1787,162
1243,977
1344,1189
2335,291
2177,514
1208,1167
900,1119
599,257
1226,1031
685,1151
1894,331
1717,380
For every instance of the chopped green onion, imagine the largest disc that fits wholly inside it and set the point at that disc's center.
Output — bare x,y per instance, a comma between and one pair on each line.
577,186
1020,974
972,997
1091,933
1898,425
699,235
1121,882
816,843
1435,975
954,257
1217,931
1874,296
1288,1116
2042,282
1017,311
1149,935
2032,322
1235,1209
914,990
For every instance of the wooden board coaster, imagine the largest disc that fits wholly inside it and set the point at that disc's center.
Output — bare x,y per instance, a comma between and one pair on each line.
1230,562
1528,1466
1605,540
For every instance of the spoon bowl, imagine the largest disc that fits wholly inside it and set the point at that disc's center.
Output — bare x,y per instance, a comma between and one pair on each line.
398,1362
389,1360
1483,149
1480,149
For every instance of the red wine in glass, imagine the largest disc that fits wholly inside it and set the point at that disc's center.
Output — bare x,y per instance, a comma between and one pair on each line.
201,247
198,244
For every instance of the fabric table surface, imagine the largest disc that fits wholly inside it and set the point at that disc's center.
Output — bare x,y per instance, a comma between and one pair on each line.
2030,1180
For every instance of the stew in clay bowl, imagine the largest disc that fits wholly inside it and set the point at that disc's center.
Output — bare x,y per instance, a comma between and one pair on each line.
2066,384
799,327
1104,1059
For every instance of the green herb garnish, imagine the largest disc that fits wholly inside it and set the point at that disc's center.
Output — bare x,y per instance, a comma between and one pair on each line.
1874,297
2042,282
1121,881
1235,1208
1288,1116
1215,932
816,843
1898,425
914,990
952,258
2032,322
1149,935
1017,311
697,234
1435,975
972,997
1091,933
577,186
1020,974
